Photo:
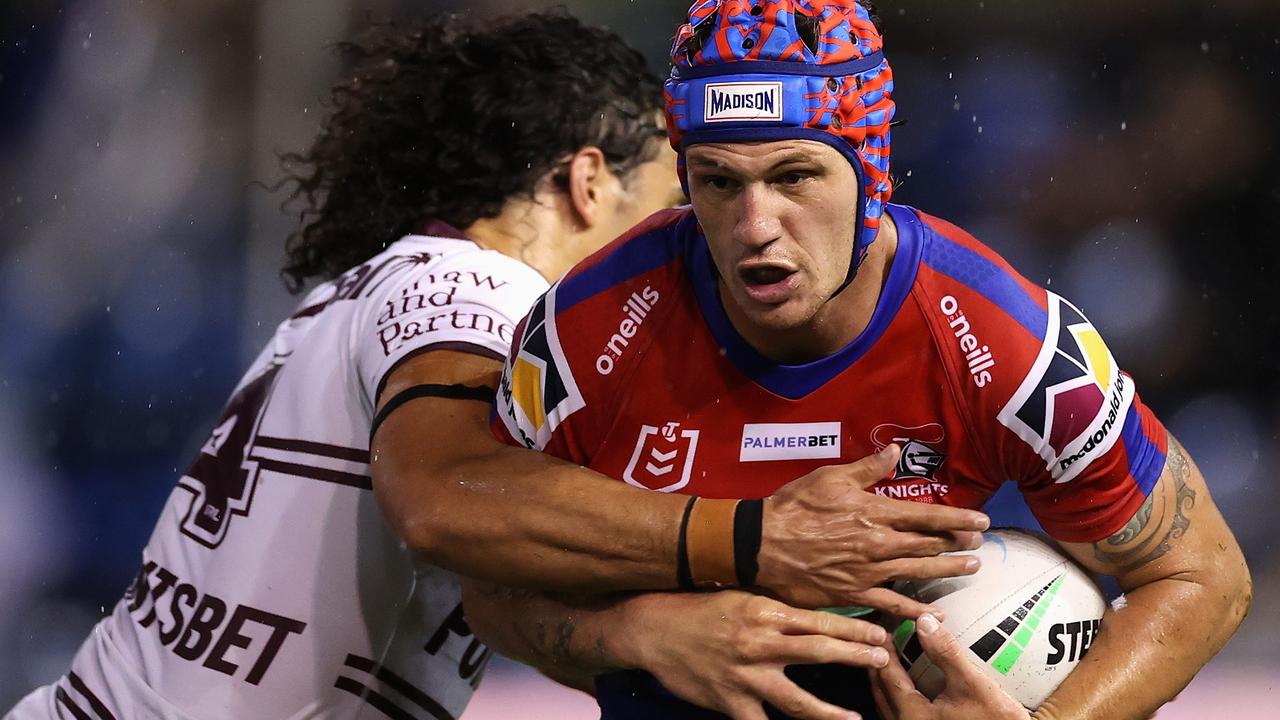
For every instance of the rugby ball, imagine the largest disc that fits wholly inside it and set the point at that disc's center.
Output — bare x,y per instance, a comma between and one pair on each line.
1027,617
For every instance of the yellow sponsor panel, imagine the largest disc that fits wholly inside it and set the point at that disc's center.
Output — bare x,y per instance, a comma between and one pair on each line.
1099,357
526,389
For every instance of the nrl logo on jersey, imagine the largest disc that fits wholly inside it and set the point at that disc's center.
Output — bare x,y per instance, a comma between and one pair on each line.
537,391
738,101
1072,405
659,453
913,478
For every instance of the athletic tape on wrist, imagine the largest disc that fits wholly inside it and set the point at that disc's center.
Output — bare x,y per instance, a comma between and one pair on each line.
710,543
748,528
719,543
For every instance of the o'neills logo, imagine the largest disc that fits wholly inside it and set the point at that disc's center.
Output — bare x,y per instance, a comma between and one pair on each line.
1096,439
733,101
978,357
636,309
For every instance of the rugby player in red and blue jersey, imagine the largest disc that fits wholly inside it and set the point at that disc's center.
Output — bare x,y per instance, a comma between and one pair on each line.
791,318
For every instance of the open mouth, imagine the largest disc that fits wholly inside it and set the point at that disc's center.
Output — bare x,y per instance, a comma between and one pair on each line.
768,283
765,274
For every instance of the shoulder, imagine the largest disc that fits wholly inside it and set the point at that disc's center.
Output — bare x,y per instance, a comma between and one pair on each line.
1026,362
418,273
425,292
463,263
417,264
959,270
615,291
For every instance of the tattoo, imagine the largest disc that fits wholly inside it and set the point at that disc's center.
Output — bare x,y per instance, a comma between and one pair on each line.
1134,527
1115,551
562,647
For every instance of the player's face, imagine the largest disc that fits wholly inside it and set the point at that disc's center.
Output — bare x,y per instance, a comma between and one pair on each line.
780,220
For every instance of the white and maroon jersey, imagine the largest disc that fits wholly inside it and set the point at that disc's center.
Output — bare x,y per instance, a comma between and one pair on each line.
271,587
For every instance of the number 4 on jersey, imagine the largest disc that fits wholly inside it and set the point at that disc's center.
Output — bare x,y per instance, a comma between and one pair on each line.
222,478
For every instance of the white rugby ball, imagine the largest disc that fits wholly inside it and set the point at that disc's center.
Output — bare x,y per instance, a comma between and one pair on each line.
1027,617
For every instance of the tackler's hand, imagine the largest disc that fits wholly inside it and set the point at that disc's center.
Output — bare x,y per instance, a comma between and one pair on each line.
968,694
827,541
727,651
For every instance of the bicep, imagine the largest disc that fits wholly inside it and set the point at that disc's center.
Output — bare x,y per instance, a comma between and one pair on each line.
425,436
1176,532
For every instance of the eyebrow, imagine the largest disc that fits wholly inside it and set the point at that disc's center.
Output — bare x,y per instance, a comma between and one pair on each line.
702,162
793,157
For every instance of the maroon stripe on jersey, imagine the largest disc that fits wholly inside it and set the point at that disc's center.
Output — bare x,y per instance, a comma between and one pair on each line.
98,706
375,700
71,704
400,685
309,310
315,473
314,448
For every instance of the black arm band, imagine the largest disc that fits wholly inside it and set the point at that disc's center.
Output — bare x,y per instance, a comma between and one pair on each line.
452,392
684,575
748,526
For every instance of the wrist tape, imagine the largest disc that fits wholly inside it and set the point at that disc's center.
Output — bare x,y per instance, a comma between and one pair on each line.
719,543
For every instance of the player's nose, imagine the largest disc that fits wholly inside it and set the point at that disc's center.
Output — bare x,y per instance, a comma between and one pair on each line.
757,223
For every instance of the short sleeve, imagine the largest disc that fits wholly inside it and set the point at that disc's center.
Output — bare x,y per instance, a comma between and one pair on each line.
564,382
459,297
1083,447
538,393
1045,402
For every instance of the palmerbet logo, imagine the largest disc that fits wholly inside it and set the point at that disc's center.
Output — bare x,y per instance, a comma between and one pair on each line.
762,442
736,101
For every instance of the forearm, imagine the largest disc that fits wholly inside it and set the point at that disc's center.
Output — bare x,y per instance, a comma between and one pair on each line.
1147,651
529,520
565,638
468,503
1187,590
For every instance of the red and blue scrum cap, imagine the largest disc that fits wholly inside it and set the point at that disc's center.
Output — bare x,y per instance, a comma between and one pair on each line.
760,70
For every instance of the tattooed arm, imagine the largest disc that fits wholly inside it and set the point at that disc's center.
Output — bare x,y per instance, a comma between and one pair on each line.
1186,587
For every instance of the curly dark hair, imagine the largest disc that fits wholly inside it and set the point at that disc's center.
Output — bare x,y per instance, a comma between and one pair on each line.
447,117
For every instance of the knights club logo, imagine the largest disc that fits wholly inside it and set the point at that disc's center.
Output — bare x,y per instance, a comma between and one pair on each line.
913,479
663,458
1072,405
919,458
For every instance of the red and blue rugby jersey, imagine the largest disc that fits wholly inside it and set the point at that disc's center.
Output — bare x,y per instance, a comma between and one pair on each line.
630,366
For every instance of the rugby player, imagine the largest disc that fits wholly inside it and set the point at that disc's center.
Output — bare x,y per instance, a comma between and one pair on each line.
463,165
793,317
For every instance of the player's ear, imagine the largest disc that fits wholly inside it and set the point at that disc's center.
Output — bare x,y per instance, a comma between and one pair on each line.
588,174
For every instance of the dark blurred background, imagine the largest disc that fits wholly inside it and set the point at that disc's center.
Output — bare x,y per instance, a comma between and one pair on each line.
1124,154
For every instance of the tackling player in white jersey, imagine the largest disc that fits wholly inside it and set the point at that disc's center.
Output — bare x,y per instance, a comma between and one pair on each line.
271,586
